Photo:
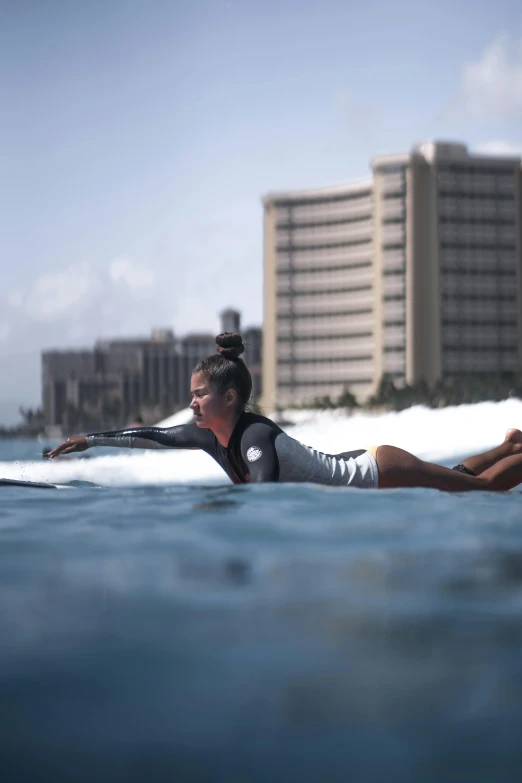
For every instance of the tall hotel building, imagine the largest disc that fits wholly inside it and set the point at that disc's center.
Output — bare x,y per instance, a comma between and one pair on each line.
414,273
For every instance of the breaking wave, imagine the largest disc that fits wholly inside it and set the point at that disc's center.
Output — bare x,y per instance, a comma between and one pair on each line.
444,435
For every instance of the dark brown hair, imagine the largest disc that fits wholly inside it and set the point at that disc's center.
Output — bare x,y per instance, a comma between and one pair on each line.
226,369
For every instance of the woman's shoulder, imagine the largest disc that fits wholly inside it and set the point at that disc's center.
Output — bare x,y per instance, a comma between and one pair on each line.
257,420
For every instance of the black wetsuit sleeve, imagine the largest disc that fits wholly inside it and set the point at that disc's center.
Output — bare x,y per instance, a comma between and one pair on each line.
259,453
185,436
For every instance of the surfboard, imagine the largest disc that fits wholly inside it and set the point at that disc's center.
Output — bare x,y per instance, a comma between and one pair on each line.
34,484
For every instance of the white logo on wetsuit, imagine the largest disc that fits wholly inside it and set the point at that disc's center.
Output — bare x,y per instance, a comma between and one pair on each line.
253,453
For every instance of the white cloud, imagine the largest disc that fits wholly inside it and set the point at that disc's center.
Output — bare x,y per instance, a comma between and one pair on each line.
500,147
125,270
491,87
73,290
79,303
53,296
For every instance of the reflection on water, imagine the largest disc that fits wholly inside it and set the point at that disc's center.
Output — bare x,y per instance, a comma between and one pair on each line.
218,499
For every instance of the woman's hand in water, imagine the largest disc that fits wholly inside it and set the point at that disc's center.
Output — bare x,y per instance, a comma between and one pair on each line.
77,443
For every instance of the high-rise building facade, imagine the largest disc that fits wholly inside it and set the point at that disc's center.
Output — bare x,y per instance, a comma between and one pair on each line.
415,273
318,294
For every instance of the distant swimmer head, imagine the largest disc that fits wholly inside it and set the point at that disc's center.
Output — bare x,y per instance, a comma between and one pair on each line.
221,384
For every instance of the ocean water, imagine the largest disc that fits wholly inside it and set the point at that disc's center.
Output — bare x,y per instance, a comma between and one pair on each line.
158,623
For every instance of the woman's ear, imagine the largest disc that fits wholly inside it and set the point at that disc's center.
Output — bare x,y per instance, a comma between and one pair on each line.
231,397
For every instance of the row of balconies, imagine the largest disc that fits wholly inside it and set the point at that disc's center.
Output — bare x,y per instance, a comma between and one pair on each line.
390,258
393,233
302,333
493,274
327,325
392,208
393,259
324,303
480,337
478,182
324,371
478,258
464,286
306,393
480,233
394,362
476,310
313,259
492,362
303,282
327,210
475,208
325,235
394,311
326,349
394,336
393,183
393,285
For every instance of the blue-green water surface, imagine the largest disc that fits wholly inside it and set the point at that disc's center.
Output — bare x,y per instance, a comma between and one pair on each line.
234,634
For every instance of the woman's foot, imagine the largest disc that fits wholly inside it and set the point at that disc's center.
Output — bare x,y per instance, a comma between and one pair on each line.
514,437
511,445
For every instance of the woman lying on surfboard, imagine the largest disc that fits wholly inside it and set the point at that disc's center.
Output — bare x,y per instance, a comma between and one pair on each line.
253,449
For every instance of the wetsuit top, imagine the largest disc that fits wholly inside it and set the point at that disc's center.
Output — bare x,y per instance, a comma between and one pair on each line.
258,451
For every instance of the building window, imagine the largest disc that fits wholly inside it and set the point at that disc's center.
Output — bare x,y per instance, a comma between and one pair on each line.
389,221
394,272
396,194
476,221
478,297
492,195
474,322
477,246
392,246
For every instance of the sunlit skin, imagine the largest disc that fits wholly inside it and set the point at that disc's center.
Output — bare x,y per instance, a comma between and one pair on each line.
213,410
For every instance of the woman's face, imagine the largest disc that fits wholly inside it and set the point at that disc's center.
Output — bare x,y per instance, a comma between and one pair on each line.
210,407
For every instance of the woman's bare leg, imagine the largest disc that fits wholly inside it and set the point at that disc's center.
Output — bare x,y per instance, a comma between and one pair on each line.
399,468
511,445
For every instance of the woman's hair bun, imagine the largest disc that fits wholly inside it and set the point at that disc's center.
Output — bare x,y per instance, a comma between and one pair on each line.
230,345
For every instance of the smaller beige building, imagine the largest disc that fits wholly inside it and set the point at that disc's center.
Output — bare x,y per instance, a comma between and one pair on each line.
415,273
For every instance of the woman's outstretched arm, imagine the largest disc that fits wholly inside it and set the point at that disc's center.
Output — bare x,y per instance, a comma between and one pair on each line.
185,436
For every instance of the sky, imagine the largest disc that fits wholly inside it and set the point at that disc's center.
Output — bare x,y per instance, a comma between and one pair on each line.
137,139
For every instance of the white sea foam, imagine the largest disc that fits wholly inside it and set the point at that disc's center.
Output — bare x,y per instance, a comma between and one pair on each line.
437,435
